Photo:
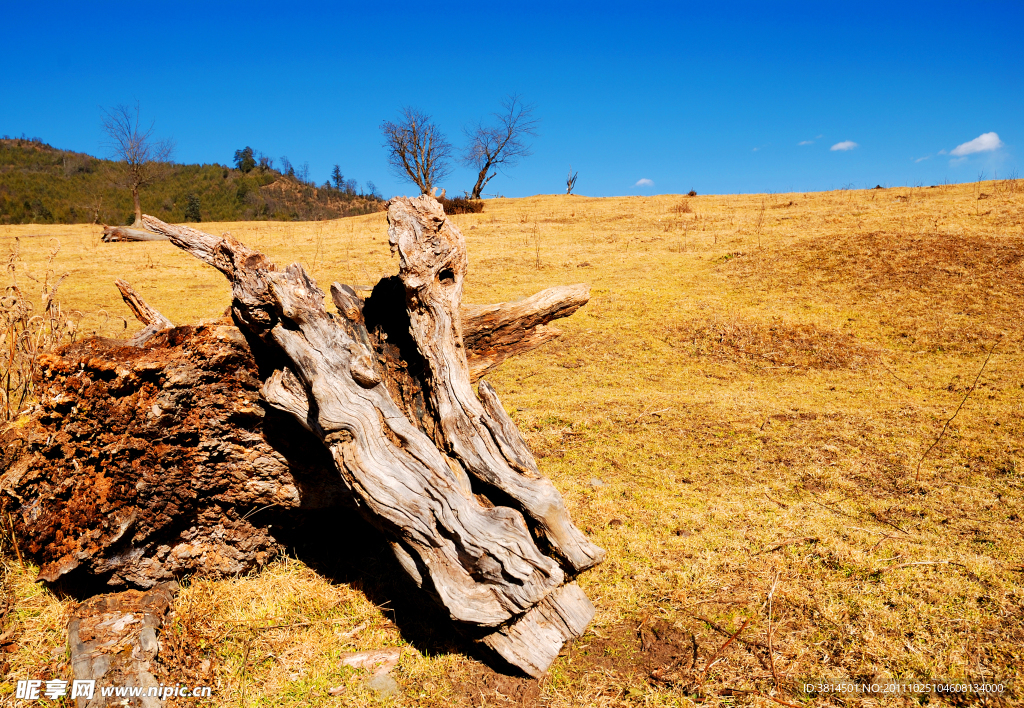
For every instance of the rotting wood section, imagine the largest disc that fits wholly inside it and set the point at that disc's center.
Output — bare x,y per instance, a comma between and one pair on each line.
371,407
142,464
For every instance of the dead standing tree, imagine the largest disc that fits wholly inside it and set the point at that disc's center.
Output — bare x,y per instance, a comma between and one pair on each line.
417,149
138,153
497,147
170,429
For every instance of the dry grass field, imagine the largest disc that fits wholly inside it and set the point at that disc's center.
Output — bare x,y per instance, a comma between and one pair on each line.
739,416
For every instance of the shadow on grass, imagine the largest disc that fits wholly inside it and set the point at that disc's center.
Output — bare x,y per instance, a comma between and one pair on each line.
343,548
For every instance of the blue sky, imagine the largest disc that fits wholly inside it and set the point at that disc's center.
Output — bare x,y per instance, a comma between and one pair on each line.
716,97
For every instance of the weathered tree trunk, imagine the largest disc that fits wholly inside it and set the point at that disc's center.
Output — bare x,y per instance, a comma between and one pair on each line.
481,181
476,431
479,560
493,333
182,452
123,233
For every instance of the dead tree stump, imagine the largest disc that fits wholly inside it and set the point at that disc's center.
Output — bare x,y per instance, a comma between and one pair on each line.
181,451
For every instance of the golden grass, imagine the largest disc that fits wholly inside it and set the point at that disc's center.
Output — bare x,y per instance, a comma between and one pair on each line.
741,407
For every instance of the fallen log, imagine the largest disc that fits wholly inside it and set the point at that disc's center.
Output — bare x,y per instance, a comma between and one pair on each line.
112,234
185,451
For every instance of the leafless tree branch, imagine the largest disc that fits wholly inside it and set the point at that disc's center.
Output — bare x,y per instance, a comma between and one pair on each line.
417,149
139,154
497,147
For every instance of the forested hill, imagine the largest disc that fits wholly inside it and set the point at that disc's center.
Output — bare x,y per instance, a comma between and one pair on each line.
43,185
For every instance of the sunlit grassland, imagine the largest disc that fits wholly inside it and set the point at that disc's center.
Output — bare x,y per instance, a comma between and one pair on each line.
744,403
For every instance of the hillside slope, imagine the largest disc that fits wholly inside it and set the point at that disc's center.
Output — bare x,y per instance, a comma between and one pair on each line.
781,414
40,184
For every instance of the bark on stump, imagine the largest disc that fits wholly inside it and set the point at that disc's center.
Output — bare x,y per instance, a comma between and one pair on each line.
371,407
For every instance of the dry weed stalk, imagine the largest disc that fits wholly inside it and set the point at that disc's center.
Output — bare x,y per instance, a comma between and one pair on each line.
759,225
967,395
771,649
715,657
26,333
536,241
10,539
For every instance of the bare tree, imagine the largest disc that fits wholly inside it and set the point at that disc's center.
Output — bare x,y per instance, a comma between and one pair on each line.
134,147
499,146
570,181
417,149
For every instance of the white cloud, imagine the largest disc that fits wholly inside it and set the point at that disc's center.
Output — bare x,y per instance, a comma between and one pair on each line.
806,142
922,159
986,142
755,149
644,182
844,146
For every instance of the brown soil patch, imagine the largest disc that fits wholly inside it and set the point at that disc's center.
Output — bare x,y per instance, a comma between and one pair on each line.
932,291
486,687
777,343
633,648
677,656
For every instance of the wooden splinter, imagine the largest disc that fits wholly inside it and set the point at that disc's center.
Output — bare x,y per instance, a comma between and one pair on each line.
154,322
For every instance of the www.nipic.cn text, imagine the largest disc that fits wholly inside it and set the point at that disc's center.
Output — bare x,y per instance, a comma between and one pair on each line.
52,690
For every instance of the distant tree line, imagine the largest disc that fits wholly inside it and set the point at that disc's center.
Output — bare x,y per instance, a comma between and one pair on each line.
45,185
31,189
247,160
